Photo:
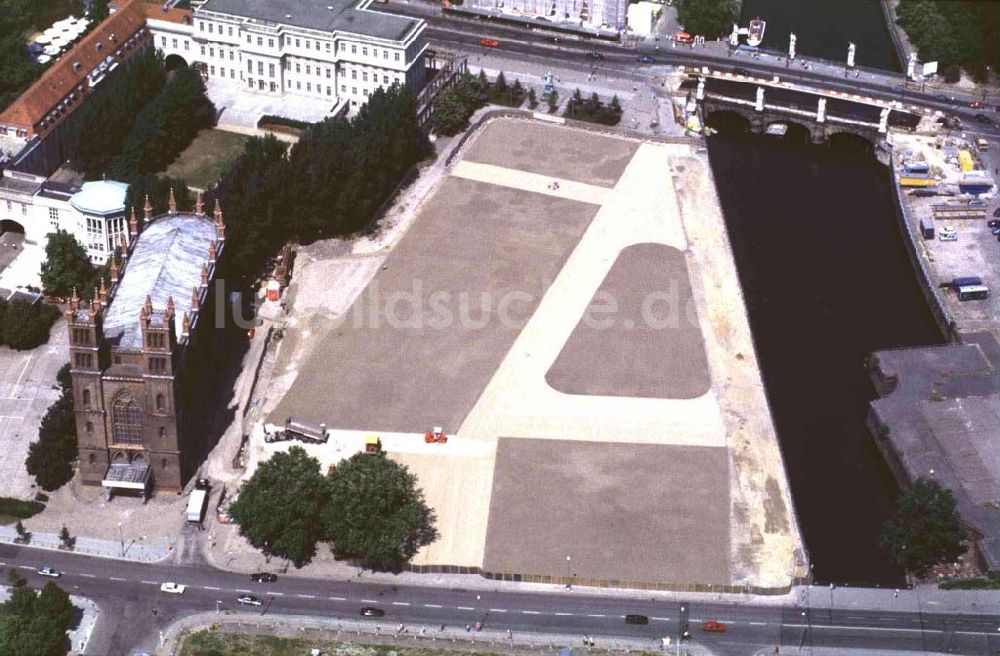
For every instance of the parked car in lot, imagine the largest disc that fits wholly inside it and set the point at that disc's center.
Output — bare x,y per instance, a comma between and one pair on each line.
489,43
593,54
996,212
173,588
634,618
995,230
993,223
713,627
948,233
263,577
49,571
249,600
371,611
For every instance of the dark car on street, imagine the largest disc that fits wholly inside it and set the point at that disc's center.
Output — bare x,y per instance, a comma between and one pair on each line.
739,70
593,54
263,577
633,618
371,611
983,118
645,59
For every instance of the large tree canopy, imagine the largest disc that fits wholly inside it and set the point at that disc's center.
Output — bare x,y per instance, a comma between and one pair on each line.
926,529
376,513
50,458
35,624
278,509
66,266
710,18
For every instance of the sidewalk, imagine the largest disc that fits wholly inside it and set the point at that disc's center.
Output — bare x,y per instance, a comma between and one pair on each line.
430,637
155,550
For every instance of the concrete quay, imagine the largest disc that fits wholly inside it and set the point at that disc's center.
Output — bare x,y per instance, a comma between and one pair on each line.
939,410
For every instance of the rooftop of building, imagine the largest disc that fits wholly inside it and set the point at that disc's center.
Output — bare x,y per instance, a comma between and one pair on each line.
100,197
322,15
62,184
21,183
73,67
166,262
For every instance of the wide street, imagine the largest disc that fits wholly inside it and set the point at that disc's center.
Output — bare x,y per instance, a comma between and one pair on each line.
129,592
520,44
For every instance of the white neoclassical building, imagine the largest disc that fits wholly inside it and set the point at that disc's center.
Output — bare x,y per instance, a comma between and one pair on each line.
337,51
93,212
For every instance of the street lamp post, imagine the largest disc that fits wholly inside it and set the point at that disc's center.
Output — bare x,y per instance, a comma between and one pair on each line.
569,560
121,538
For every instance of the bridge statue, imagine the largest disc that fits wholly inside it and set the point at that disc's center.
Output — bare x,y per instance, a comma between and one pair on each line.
700,93
821,110
791,46
734,36
883,120
850,55
911,66
548,85
759,105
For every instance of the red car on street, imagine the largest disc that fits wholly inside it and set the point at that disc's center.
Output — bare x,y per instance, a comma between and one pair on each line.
489,43
713,627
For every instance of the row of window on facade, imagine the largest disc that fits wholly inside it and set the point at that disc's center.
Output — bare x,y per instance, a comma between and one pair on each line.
298,42
157,366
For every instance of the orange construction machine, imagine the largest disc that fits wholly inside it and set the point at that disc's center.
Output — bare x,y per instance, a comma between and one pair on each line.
435,436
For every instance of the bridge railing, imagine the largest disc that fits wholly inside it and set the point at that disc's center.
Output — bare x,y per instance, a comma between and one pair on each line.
783,54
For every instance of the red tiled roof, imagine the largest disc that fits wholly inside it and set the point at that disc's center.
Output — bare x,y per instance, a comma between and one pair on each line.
156,10
63,76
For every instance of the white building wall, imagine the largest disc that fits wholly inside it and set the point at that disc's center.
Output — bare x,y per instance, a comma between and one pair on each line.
285,60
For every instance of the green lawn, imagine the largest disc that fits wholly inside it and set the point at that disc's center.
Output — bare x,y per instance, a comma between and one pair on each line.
215,643
207,157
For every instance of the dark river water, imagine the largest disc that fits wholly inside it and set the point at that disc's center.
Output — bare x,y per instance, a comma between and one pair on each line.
824,28
827,281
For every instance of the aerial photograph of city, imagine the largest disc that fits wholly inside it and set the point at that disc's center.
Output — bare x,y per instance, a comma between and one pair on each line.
499,327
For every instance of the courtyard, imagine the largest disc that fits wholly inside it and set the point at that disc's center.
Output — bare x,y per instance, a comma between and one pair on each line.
207,158
564,304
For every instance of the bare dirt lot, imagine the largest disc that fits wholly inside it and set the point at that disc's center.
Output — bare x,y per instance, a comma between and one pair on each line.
591,158
619,511
641,324
407,356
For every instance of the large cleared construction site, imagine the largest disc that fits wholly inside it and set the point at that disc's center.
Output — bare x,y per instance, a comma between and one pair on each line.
565,305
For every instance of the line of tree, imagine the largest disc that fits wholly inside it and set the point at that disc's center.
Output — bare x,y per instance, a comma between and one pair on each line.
166,125
955,33
50,458
711,18
25,325
369,510
455,106
330,183
593,109
104,122
35,622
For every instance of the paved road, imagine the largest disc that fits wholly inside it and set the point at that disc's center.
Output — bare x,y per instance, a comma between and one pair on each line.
128,592
463,34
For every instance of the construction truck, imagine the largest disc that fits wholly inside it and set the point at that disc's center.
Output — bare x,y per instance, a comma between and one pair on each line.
435,436
373,444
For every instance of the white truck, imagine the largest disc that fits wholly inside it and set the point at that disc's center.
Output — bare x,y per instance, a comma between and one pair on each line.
196,505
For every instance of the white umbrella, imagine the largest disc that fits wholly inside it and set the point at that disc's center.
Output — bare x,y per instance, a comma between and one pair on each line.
41,38
59,42
51,50
51,32
43,59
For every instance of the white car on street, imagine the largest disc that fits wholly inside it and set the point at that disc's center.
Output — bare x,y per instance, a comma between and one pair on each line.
49,571
249,600
173,588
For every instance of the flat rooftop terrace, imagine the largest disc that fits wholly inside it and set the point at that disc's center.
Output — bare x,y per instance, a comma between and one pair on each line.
565,305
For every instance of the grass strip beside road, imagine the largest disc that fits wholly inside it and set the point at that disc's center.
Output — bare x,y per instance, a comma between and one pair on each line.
220,643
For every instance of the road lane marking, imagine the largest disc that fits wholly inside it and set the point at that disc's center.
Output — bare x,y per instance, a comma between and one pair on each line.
115,578
89,576
305,596
433,606
758,623
277,594
530,612
26,567
400,603
242,590
368,601
595,615
338,598
150,582
465,608
209,587
563,614
498,610
664,619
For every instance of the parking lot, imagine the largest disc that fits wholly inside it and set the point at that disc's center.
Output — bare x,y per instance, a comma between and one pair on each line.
27,389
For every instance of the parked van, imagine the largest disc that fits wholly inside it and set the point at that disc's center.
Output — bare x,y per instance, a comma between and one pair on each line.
973,292
966,281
